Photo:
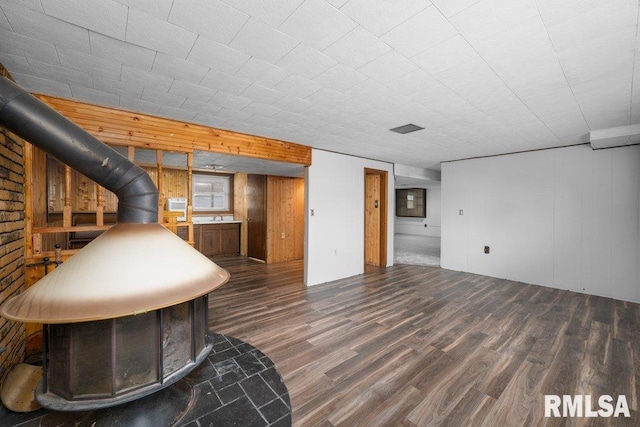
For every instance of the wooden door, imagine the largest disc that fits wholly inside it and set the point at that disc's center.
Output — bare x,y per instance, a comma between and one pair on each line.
375,218
257,216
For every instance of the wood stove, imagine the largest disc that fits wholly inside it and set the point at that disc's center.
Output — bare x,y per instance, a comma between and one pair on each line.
127,315
91,365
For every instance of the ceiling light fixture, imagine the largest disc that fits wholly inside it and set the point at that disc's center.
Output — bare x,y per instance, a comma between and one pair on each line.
212,166
406,128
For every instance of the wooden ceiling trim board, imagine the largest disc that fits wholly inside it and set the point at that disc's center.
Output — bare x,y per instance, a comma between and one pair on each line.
121,127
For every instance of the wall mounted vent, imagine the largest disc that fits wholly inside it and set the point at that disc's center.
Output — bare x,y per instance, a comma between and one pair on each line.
615,137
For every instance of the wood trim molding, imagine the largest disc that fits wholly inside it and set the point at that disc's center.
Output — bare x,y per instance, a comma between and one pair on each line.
119,127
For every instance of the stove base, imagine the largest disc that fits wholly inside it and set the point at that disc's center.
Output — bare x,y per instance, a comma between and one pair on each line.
237,384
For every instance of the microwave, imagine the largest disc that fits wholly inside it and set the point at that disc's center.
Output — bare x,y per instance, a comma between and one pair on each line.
178,204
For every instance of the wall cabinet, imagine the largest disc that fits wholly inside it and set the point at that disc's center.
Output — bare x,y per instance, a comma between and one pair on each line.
217,239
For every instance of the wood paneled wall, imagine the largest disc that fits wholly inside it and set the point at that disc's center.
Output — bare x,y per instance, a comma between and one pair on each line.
285,219
240,208
120,127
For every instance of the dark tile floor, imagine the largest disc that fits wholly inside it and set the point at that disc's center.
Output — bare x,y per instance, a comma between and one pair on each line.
236,386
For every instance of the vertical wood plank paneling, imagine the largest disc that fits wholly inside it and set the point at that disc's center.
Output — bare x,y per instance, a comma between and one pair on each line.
298,221
174,183
240,208
37,179
285,219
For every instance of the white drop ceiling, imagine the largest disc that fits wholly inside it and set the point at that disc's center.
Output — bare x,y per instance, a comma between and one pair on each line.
482,77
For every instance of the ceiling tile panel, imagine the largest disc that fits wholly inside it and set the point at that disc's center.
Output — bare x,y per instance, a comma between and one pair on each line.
610,18
117,87
39,26
448,54
4,22
306,62
212,18
284,116
317,24
357,48
340,77
191,91
171,66
177,113
489,17
162,98
31,4
121,52
259,93
272,13
148,31
209,120
388,67
223,99
293,104
94,96
92,65
157,8
195,105
554,12
18,64
379,16
137,77
231,114
58,73
261,72
39,85
28,47
327,97
450,8
225,82
426,29
298,86
217,56
262,41
102,16
256,108
139,105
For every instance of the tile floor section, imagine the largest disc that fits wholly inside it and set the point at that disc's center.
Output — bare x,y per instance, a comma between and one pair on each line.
243,386
236,386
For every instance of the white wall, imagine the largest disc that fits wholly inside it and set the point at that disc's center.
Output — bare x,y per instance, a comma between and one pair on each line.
567,218
416,226
335,233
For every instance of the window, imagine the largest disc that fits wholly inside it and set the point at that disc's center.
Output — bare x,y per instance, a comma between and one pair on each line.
212,193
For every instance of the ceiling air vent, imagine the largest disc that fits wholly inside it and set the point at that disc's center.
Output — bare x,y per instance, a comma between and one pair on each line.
406,128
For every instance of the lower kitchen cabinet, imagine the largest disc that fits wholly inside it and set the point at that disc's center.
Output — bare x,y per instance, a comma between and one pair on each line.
217,239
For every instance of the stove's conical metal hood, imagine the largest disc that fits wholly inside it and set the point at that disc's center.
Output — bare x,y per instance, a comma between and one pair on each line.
128,270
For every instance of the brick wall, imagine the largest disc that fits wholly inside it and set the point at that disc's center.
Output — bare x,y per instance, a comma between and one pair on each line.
12,334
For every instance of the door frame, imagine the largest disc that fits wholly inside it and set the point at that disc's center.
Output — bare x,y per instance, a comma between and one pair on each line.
383,206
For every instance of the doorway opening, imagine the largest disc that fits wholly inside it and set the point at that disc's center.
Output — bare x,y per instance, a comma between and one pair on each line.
375,217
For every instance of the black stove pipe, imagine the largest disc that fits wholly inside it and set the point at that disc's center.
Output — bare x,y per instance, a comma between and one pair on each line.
34,121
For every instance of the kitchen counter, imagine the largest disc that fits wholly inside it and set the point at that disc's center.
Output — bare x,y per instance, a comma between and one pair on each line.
221,237
217,221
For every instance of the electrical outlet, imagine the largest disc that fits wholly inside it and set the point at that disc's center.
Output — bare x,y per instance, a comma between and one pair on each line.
460,212
282,235
312,212
487,249
335,252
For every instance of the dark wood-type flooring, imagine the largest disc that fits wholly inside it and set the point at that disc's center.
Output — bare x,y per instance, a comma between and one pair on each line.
424,346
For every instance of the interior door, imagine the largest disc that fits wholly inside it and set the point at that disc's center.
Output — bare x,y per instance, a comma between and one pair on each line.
257,216
375,218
